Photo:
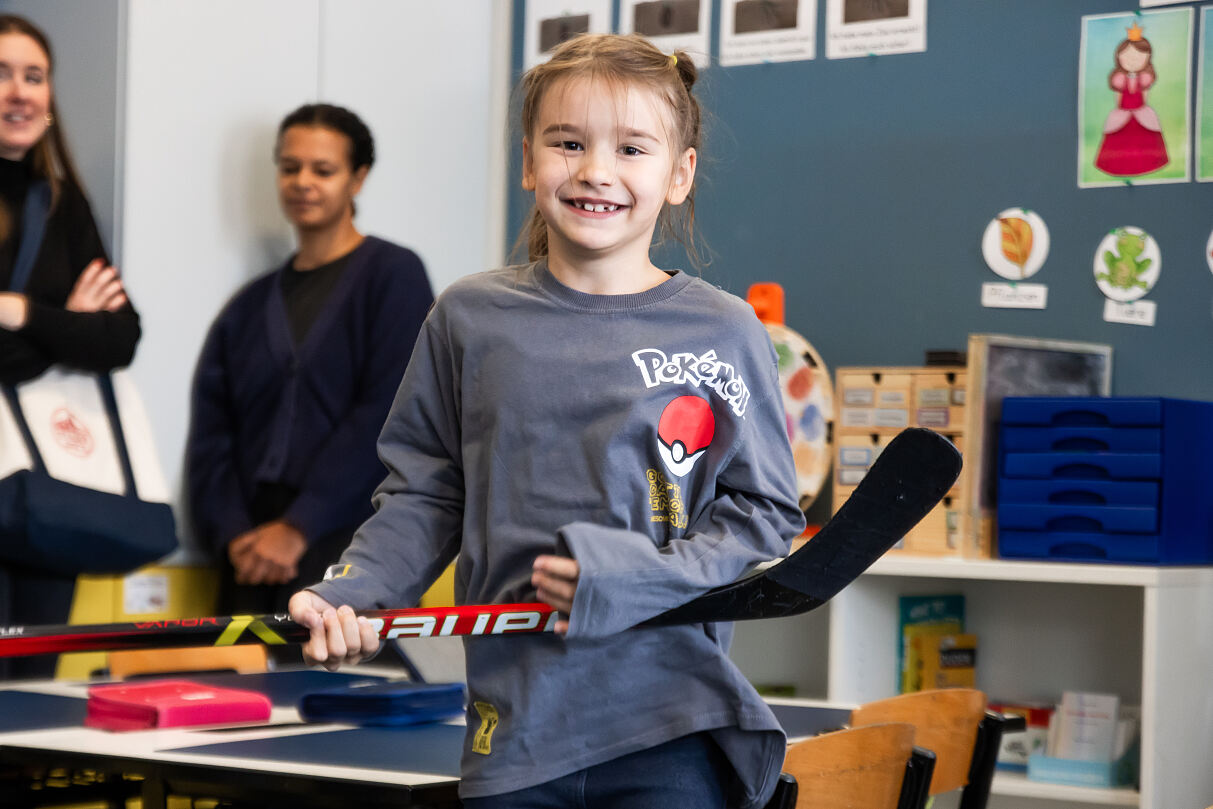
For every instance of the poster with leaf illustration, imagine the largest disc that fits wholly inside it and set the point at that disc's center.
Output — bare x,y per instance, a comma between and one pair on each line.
1133,112
1204,98
1015,244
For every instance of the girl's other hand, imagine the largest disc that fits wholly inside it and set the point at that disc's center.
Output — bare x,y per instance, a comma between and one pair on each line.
337,635
98,289
555,580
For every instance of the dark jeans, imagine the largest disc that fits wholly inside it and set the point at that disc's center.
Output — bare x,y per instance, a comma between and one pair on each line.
29,598
687,773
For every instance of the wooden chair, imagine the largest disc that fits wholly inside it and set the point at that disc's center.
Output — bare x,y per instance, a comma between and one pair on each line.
245,659
946,721
856,768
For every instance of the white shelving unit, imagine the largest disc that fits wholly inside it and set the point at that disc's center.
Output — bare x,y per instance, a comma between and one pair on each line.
1145,633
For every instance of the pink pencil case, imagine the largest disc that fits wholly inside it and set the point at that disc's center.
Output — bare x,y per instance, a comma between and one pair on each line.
171,703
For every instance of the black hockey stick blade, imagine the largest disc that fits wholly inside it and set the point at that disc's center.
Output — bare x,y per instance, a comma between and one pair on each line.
911,475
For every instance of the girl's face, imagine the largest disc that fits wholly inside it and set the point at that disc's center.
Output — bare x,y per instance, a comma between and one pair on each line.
602,165
316,186
1133,60
25,94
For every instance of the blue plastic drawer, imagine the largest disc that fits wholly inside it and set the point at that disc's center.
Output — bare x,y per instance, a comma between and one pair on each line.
1084,411
1074,490
1113,465
1066,546
1070,517
1081,439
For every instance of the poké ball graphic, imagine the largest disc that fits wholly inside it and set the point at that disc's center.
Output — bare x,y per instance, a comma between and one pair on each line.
684,433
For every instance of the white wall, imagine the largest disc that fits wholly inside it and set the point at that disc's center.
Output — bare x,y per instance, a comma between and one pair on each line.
175,132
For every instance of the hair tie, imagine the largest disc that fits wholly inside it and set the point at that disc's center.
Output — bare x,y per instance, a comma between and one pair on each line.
673,60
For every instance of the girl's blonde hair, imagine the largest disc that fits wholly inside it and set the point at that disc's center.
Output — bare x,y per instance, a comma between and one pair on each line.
619,60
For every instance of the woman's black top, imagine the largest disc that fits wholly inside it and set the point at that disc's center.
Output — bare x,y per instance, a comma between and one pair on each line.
92,341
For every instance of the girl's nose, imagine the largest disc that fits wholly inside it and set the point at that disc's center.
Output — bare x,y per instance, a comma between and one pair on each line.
597,167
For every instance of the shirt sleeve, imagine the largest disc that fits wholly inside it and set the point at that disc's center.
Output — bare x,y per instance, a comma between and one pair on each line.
217,503
90,341
417,526
626,579
335,492
19,359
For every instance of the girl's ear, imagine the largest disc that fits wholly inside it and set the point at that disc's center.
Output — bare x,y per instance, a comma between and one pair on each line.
528,166
683,178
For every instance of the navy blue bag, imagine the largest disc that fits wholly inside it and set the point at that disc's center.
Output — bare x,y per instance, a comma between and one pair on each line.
58,526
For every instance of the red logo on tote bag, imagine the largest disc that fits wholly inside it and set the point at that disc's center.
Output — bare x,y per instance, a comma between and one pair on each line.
71,434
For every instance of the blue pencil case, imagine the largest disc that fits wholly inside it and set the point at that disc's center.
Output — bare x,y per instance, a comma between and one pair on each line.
384,703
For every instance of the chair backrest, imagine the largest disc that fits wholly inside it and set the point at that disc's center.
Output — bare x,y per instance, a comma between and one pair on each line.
945,722
245,658
856,768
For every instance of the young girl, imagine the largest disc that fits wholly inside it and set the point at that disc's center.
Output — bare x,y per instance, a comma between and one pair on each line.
297,375
1133,142
601,433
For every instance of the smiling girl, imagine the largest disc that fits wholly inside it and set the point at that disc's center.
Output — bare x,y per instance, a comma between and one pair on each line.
298,373
600,433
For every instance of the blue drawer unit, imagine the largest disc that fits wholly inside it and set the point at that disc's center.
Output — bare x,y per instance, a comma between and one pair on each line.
1119,479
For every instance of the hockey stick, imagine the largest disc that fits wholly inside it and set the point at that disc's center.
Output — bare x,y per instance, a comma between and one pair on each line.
909,477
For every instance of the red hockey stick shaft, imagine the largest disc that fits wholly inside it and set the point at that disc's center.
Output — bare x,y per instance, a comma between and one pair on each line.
419,622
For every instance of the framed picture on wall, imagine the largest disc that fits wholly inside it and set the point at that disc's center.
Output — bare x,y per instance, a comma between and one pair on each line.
1133,91
1000,365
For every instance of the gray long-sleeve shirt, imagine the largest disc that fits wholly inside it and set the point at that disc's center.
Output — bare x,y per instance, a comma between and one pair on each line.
642,434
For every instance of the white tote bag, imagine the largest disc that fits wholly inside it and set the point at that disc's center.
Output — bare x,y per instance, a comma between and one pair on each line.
81,488
70,425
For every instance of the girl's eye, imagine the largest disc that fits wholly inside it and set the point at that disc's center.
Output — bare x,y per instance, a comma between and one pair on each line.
570,145
631,151
34,78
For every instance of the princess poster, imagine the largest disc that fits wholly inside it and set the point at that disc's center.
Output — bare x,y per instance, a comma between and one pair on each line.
1133,113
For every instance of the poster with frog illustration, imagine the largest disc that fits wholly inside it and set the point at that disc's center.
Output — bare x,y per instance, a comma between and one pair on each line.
1127,265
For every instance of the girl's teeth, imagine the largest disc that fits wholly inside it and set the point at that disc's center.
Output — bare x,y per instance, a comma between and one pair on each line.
598,208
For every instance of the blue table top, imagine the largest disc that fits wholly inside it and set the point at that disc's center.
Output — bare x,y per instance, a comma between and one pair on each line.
434,748
283,687
27,710
809,720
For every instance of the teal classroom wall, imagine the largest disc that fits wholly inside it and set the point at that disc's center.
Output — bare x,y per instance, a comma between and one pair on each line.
863,187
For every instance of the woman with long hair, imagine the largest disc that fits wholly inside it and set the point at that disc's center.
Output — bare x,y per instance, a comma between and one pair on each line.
61,303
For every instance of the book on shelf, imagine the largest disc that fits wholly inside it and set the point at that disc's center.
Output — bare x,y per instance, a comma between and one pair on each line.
923,620
1085,727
